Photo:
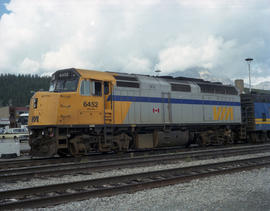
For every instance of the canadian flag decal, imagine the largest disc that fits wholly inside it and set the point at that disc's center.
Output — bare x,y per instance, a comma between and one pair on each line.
155,110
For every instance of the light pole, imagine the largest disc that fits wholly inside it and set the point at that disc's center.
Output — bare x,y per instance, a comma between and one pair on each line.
157,71
249,60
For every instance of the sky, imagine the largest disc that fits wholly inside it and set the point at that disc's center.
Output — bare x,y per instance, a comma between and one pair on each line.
40,37
3,9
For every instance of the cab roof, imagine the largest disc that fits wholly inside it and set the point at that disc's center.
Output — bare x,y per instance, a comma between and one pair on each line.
96,75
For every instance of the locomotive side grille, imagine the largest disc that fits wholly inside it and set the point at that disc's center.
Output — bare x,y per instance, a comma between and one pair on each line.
125,78
127,81
181,87
127,84
217,89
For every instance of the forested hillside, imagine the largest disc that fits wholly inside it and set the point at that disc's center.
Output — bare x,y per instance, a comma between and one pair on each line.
17,90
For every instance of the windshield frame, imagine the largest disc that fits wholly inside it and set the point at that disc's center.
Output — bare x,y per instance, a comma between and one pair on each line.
65,81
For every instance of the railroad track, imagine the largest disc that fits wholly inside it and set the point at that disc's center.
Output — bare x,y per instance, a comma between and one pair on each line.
66,192
19,163
101,165
31,162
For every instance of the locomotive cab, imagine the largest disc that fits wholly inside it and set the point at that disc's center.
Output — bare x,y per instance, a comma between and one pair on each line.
76,103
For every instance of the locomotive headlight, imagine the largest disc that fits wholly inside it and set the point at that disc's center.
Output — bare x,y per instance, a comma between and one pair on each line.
35,102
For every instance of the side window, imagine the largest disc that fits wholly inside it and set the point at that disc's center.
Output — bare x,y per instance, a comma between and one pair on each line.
263,117
106,88
85,88
96,88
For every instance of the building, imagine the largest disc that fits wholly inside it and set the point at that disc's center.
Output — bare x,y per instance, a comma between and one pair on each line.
9,115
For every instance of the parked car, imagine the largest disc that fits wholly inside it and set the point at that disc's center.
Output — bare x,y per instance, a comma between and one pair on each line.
2,130
20,134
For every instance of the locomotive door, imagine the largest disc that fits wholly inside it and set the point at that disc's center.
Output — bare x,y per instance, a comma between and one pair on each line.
166,107
90,110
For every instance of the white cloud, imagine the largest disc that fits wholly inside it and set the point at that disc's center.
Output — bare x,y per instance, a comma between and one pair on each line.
29,66
138,65
206,55
65,57
204,4
139,36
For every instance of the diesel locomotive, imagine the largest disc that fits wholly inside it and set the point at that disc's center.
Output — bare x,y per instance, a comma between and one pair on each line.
92,111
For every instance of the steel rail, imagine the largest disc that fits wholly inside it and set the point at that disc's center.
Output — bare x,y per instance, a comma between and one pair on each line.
20,163
92,166
17,163
67,192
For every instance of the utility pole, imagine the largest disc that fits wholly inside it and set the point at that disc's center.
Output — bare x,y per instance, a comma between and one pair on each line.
249,60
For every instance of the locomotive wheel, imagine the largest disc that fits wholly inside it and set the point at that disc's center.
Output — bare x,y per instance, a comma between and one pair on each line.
63,152
200,141
258,137
121,142
253,137
77,147
72,149
262,137
44,149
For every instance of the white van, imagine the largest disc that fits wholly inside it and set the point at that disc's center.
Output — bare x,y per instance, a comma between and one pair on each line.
20,134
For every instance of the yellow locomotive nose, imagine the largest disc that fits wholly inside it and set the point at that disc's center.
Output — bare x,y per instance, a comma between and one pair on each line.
44,109
70,117
51,109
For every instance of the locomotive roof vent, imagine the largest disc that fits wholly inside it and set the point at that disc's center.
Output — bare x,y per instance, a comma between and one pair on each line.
166,77
127,81
125,78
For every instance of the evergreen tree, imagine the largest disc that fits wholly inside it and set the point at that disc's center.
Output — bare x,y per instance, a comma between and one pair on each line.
18,89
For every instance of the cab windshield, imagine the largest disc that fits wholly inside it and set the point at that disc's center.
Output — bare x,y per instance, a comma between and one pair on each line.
69,85
64,81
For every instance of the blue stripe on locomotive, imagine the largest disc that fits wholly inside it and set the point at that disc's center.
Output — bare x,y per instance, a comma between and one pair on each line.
262,116
172,100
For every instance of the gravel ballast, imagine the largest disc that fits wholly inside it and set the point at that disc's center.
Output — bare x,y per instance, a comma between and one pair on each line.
70,178
240,191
